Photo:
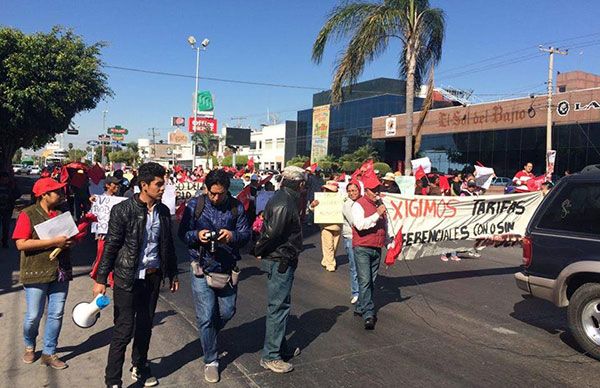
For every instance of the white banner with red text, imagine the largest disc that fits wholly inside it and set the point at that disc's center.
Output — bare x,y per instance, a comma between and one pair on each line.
433,225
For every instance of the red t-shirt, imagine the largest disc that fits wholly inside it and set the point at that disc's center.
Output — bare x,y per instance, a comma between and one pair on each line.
23,229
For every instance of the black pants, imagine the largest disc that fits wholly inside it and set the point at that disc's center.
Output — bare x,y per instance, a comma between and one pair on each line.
134,312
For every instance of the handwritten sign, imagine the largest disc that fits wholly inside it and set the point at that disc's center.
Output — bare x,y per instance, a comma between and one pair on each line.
262,198
101,209
329,210
187,190
406,184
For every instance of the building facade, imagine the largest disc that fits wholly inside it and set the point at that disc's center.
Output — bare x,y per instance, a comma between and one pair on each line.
505,134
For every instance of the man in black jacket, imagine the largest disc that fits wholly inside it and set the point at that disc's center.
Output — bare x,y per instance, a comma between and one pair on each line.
279,246
139,249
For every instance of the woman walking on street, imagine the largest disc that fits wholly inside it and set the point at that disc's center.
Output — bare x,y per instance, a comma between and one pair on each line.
353,191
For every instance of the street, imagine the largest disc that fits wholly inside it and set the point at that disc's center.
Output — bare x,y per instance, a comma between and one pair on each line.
440,324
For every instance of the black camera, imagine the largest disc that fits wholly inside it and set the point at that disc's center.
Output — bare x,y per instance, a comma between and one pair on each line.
212,237
378,202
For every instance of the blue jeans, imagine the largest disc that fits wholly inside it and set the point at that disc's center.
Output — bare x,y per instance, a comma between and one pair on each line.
352,265
214,308
279,290
367,265
35,297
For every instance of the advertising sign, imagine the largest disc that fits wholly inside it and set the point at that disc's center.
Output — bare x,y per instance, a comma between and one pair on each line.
177,137
390,126
205,101
202,124
118,137
178,121
320,133
118,130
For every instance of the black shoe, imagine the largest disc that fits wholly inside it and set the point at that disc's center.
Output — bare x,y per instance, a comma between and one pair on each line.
370,323
357,314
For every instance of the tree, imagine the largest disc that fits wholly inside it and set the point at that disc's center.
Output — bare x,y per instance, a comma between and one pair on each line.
361,154
126,156
370,26
18,156
205,139
133,146
45,80
298,159
75,155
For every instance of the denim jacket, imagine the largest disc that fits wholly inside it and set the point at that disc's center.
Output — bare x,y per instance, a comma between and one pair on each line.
215,218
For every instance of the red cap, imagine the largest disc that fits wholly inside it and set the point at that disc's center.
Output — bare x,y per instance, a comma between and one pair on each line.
45,185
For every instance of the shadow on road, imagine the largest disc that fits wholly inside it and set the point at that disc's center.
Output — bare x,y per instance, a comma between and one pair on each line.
546,316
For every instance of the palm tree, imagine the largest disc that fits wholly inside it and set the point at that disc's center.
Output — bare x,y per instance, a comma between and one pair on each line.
370,26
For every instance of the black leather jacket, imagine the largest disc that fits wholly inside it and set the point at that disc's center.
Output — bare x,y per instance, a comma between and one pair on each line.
124,241
281,238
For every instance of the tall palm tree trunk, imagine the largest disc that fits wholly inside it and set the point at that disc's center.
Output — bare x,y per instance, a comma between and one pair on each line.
410,106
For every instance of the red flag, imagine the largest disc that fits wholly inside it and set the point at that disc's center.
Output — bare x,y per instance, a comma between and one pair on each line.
264,181
535,184
251,163
420,173
244,197
370,180
239,174
444,183
366,166
355,175
342,178
313,167
395,249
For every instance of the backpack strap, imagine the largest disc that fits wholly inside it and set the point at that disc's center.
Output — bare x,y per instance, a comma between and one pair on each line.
199,206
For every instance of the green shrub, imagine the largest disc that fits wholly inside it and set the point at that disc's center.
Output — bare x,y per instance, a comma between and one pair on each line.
350,167
383,168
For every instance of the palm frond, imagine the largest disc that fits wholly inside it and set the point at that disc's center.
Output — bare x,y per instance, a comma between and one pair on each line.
342,21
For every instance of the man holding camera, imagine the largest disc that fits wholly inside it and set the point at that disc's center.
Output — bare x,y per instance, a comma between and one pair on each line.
279,246
368,237
214,227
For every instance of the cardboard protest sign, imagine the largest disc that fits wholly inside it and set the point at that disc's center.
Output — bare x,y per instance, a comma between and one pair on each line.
262,198
187,190
421,162
101,209
329,210
434,225
484,176
406,184
169,198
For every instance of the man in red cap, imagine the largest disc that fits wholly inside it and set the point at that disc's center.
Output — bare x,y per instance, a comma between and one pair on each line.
368,237
42,278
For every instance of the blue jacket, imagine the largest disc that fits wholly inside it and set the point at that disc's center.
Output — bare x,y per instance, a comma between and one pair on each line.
215,218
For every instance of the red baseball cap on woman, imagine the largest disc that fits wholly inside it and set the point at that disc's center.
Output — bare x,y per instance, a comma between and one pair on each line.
46,185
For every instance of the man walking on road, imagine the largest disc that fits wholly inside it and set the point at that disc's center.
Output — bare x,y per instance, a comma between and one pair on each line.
139,249
214,227
279,246
368,237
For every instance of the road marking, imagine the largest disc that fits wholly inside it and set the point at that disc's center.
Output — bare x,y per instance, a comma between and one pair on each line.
502,330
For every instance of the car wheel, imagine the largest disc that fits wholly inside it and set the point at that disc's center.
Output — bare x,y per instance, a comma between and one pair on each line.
584,318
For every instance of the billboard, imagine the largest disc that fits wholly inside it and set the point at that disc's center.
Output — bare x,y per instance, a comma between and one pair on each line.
178,121
177,137
202,124
237,137
320,133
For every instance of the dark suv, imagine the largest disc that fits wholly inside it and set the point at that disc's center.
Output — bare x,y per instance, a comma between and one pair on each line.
561,254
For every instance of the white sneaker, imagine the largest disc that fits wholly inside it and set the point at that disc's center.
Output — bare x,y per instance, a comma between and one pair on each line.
354,300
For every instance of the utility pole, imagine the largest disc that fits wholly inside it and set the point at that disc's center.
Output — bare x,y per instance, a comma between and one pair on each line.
551,51
104,112
153,130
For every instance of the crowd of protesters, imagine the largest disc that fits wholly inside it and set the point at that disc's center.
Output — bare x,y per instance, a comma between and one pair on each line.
137,252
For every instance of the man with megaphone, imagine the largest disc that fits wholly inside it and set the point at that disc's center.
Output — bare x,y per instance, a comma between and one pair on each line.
140,251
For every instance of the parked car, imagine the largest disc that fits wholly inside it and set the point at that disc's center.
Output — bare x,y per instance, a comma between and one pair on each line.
561,254
17,168
501,181
35,170
26,169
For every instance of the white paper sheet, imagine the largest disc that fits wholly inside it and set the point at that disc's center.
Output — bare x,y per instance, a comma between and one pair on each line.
62,225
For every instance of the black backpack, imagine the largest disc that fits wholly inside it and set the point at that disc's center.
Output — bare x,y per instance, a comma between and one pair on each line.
233,206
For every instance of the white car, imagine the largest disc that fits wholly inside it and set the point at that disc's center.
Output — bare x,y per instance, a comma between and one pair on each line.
35,170
17,168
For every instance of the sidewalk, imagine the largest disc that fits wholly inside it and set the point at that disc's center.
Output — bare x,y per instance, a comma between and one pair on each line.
175,351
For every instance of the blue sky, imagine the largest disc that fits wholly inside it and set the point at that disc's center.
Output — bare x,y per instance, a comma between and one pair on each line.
270,41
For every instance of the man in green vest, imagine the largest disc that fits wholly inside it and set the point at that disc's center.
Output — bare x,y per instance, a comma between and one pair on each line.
42,278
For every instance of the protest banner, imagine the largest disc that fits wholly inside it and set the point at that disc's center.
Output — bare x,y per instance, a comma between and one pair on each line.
186,190
406,184
101,209
261,200
329,210
434,225
169,198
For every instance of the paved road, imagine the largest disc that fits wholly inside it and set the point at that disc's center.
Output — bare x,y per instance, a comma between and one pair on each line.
440,324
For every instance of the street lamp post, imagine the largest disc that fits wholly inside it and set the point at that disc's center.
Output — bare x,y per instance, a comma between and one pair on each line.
104,112
203,45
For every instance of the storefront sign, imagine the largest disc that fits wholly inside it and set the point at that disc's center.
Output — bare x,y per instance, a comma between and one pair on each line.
497,114
177,137
437,225
390,126
202,124
320,133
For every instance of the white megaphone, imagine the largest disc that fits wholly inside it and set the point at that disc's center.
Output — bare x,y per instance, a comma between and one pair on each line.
86,314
